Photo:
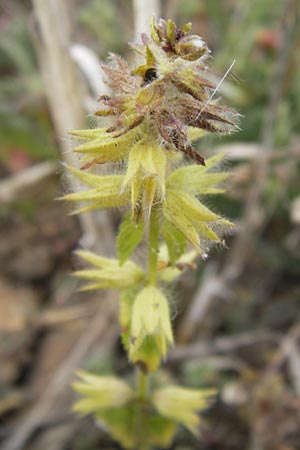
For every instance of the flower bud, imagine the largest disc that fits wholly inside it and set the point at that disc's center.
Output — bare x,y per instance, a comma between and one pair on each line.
191,47
150,317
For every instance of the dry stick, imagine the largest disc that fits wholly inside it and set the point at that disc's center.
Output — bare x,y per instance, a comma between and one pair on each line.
252,218
52,38
11,187
222,345
142,11
90,66
212,286
103,327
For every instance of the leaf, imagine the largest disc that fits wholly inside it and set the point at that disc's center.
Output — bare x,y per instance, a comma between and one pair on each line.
96,181
193,180
160,431
129,237
107,142
148,354
123,425
120,423
153,31
153,162
182,404
150,316
109,274
106,196
213,160
133,164
92,133
206,231
171,31
169,273
100,392
158,54
195,133
174,215
150,158
108,202
96,260
125,312
175,240
190,207
108,186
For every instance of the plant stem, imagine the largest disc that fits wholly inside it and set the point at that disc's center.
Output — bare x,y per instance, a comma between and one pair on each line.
142,378
142,391
142,384
153,246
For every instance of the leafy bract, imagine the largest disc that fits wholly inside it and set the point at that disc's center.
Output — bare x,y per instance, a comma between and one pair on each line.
150,317
106,195
100,392
123,425
175,241
129,237
167,272
109,273
191,217
182,404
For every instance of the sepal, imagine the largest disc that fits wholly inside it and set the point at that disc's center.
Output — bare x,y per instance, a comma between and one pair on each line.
109,273
129,237
150,318
182,404
168,272
100,393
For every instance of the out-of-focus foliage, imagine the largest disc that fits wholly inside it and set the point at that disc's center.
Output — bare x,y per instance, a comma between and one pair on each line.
103,22
249,33
258,401
25,125
252,34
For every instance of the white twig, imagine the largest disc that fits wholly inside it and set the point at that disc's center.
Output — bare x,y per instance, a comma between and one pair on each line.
221,345
143,10
89,64
16,184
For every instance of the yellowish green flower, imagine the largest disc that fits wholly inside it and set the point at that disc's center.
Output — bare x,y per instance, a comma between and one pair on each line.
178,196
150,317
182,404
108,273
169,272
100,393
155,111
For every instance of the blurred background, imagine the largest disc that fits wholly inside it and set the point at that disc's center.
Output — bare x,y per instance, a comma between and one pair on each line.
237,315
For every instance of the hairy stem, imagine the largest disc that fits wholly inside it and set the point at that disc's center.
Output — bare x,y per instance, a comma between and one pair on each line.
143,378
142,391
153,246
142,385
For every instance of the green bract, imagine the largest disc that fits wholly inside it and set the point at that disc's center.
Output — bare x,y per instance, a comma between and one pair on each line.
150,317
156,110
181,404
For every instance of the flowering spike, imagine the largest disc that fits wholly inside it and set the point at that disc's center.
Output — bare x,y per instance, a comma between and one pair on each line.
154,112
